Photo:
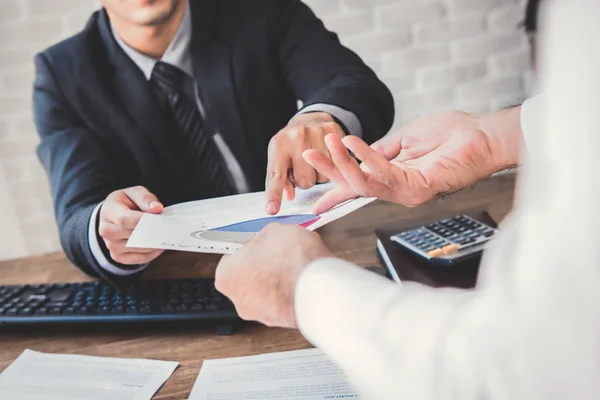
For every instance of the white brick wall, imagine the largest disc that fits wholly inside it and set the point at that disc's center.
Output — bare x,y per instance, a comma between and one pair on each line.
433,54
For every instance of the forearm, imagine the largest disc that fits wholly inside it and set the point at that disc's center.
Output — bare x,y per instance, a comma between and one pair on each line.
342,78
509,130
388,339
505,136
75,241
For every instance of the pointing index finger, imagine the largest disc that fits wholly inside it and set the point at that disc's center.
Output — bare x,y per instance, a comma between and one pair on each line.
277,179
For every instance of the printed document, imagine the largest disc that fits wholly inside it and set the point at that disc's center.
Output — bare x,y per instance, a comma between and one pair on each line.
292,375
225,224
41,376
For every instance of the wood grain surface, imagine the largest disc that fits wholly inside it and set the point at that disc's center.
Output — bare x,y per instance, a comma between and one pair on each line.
351,238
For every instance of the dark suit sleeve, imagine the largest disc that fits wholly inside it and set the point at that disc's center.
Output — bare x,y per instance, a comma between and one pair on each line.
320,70
77,165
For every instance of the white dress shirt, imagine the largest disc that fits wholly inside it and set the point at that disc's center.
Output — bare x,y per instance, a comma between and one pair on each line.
531,329
178,54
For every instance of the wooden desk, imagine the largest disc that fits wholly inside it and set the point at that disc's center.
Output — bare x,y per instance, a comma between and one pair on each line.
350,238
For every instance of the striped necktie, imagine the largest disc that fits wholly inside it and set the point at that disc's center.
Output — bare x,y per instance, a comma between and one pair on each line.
197,149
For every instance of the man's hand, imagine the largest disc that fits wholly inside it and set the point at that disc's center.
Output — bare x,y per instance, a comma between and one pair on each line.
427,158
306,131
260,278
119,215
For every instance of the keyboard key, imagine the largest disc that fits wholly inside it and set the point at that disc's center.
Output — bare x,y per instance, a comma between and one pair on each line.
83,311
167,309
69,311
55,311
12,312
212,307
104,310
26,311
196,307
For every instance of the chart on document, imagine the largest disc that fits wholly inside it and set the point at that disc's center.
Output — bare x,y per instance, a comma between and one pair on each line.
223,225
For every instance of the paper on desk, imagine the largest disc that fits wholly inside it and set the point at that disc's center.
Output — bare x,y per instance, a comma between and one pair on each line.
292,375
40,376
225,224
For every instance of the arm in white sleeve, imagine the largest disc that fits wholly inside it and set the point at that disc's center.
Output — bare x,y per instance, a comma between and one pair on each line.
101,259
531,329
350,121
531,117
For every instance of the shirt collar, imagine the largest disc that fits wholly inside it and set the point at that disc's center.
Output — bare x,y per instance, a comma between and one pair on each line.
177,53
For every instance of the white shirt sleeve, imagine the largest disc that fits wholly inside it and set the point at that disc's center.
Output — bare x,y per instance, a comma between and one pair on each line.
530,330
531,117
102,261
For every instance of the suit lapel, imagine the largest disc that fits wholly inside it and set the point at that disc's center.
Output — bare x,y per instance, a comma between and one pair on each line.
213,72
141,102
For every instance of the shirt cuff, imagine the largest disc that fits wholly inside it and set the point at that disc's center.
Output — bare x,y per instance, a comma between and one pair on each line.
98,254
334,297
348,118
531,118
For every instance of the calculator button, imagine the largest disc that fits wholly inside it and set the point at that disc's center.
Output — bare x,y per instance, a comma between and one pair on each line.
445,233
450,249
435,253
465,241
488,233
454,238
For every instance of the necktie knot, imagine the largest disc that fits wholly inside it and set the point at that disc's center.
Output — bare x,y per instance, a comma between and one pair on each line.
168,77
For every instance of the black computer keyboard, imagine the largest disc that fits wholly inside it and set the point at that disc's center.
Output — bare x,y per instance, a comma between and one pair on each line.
99,302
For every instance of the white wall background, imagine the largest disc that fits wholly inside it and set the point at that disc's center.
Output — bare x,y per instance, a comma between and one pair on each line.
433,54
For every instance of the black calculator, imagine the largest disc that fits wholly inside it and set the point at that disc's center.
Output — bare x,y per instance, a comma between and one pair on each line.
447,241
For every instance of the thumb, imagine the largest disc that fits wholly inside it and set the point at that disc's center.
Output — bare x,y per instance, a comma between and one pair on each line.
390,145
333,198
144,200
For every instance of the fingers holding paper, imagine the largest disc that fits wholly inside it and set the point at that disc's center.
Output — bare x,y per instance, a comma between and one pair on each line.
260,278
118,217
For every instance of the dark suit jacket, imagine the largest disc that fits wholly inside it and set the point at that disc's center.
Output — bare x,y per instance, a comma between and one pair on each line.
102,129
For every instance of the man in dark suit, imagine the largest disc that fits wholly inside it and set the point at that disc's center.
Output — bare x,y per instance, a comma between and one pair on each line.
157,102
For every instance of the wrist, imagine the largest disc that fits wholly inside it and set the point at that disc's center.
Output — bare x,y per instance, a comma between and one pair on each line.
294,277
311,117
503,129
